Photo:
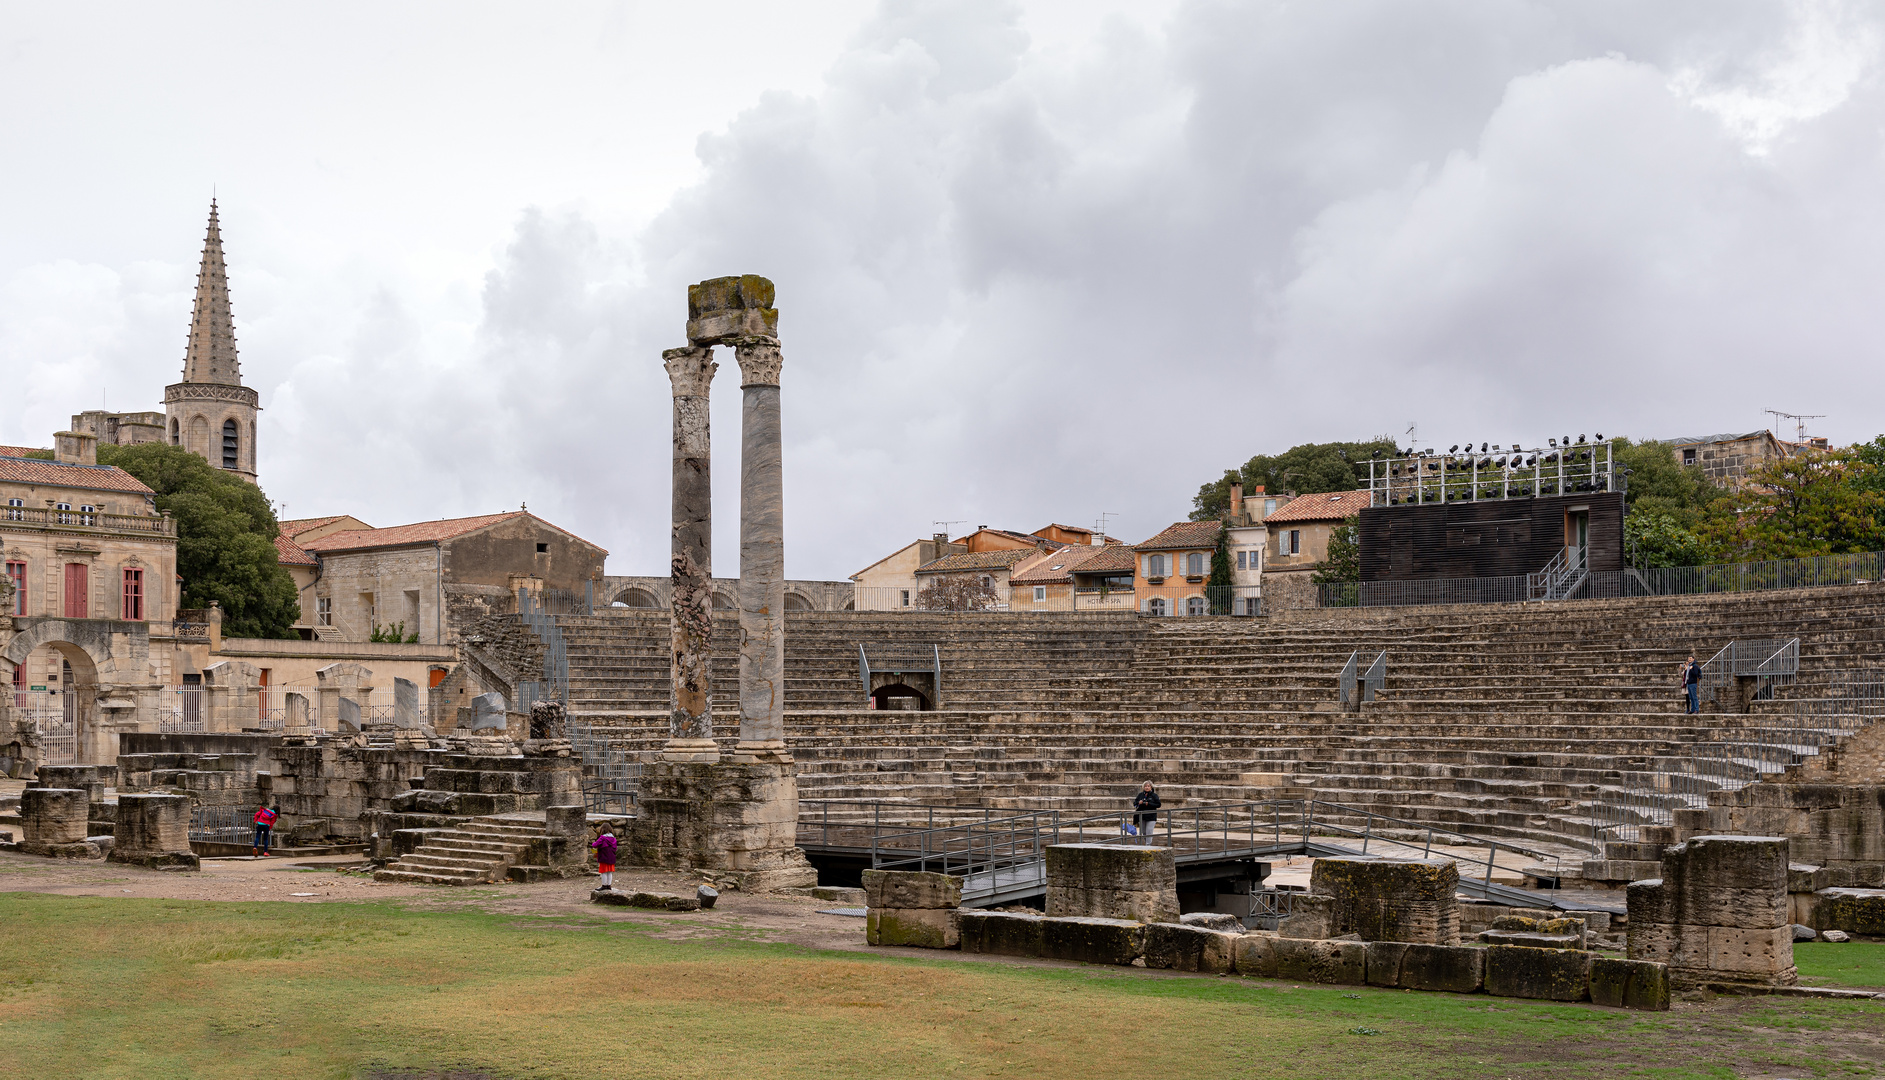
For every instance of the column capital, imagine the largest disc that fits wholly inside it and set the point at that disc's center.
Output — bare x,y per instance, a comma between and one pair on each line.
760,361
690,369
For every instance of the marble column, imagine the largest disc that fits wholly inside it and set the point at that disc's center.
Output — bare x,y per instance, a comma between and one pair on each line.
690,697
762,553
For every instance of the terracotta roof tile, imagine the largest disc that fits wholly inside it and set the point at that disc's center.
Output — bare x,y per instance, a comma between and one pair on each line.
424,532
1326,506
1111,559
289,553
1185,535
977,560
297,526
1055,565
20,451
60,474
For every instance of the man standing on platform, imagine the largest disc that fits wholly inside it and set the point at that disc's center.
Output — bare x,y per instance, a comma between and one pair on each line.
1145,812
1692,680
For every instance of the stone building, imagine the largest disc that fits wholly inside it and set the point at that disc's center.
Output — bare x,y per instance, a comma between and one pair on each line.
121,429
640,591
889,584
1173,568
1728,459
210,411
431,577
987,571
1297,544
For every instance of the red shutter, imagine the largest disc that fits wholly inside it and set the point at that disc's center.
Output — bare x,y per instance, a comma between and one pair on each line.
77,602
133,608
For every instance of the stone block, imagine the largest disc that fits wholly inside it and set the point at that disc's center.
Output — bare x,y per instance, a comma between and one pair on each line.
1452,969
1309,917
1648,902
1142,906
723,310
1000,933
1189,948
650,900
1531,939
911,889
1802,878
1214,920
1344,963
1742,951
1703,905
1111,867
1629,984
54,815
1255,955
151,825
1854,911
1745,862
1544,974
1391,899
1092,941
918,928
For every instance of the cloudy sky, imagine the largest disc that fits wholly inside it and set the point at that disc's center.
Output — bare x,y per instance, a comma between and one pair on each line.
1035,261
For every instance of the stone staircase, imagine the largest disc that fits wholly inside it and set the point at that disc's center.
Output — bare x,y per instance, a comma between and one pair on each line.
482,849
1505,721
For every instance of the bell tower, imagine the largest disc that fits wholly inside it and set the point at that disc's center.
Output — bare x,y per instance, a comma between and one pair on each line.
210,412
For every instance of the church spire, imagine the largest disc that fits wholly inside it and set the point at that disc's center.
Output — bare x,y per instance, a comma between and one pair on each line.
211,355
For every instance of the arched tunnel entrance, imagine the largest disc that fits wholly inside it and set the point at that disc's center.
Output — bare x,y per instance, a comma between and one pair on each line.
900,696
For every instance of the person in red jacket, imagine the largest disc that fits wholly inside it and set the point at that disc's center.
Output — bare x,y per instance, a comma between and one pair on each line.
264,828
605,857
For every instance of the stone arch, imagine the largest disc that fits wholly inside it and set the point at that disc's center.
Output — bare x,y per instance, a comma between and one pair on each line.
176,432
633,596
850,605
229,451
900,696
723,602
797,602
197,441
93,709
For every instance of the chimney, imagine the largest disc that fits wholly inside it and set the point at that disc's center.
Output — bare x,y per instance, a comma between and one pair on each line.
1237,503
75,447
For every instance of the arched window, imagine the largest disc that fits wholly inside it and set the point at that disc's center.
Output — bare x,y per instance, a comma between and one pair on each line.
1155,606
1194,605
232,439
176,432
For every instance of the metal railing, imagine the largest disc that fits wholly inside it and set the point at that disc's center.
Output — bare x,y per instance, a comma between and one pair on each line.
1369,682
1005,857
900,660
1491,473
1804,573
555,681
1770,662
1560,578
222,824
611,778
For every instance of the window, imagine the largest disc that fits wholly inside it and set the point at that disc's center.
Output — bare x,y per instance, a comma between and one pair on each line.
906,597
88,515
16,509
1688,457
1194,605
77,596
1157,606
1040,593
1194,563
176,435
1289,542
987,582
1155,566
65,516
17,571
231,445
324,611
543,549
133,608
1240,561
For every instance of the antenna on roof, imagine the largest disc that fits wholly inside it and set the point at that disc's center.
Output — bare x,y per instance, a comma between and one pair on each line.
1100,523
949,526
1799,421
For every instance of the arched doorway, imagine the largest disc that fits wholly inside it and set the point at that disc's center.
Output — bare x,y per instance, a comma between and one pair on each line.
636,598
55,688
69,688
795,602
900,696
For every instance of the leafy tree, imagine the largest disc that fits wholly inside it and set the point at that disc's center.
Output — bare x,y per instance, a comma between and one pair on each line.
225,538
957,592
1305,469
395,633
1344,561
1817,502
1217,587
1660,539
1657,476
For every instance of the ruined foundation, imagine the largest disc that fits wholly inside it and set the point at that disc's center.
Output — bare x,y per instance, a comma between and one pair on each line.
1718,914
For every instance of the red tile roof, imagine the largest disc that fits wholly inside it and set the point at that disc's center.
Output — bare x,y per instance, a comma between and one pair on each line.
1055,565
59,474
1184,536
289,553
20,451
1111,559
1327,506
977,560
297,526
424,532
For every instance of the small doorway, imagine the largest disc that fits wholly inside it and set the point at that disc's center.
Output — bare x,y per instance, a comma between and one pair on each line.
1577,537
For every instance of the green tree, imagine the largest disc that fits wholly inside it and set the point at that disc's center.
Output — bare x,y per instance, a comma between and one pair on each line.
1344,562
225,538
1305,469
1217,587
1818,502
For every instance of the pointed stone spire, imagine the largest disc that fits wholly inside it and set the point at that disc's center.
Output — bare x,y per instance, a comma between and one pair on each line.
211,356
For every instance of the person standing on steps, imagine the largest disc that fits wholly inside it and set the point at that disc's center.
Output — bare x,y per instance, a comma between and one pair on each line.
1145,812
605,857
1692,680
264,830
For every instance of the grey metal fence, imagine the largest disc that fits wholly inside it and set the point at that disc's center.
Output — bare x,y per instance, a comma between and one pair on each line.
555,681
1367,682
611,778
1611,584
223,824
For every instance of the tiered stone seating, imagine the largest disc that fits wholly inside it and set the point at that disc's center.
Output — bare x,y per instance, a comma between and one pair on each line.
1504,721
479,850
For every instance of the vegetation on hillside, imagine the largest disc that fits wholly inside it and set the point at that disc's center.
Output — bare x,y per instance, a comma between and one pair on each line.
1305,470
225,538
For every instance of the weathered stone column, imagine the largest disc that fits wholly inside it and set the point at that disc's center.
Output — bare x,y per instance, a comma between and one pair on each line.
762,553
690,699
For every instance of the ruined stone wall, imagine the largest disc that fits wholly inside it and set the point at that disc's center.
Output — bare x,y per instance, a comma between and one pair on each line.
1838,826
337,784
1857,759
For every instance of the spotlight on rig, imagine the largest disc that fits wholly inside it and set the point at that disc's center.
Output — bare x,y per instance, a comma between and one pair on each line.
1599,436
1454,449
1580,438
1553,442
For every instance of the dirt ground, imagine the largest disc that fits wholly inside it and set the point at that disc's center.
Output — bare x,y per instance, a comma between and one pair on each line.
793,919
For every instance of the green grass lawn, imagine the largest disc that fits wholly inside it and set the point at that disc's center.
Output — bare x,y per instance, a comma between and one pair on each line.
162,988
1853,963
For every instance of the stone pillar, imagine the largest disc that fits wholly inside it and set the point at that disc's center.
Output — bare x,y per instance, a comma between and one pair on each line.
762,554
1718,913
690,620
154,831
